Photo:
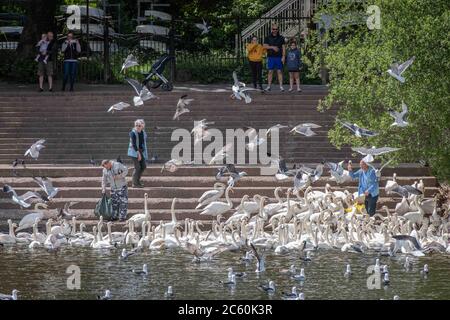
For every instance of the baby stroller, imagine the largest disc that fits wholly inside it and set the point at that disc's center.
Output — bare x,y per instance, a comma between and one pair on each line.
154,79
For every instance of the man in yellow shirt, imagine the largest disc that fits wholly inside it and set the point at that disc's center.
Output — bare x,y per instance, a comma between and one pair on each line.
255,52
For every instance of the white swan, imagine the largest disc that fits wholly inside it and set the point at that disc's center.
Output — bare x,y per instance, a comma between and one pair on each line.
9,238
169,226
138,218
28,220
216,208
211,195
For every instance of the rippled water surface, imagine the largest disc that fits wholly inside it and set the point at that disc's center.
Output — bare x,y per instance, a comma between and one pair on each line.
39,274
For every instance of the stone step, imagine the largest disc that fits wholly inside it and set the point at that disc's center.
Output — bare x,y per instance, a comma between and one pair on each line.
172,192
401,170
204,181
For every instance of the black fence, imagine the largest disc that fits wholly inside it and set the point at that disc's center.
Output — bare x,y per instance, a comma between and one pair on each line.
200,57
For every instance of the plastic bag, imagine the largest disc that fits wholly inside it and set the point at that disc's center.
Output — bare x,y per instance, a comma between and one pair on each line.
104,208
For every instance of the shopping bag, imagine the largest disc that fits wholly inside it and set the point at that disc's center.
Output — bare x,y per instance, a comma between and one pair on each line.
104,208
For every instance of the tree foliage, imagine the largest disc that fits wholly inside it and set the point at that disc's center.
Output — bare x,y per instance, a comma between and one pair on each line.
358,58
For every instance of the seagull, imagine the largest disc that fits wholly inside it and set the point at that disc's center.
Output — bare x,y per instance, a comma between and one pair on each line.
199,131
386,280
283,171
425,270
260,260
400,239
305,129
124,255
13,295
371,152
270,289
230,282
337,172
397,70
143,94
204,27
107,296
293,295
405,191
235,175
169,293
273,128
301,276
236,274
129,62
221,154
314,174
118,107
47,186
357,130
378,171
253,140
64,213
22,200
399,116
201,255
33,151
173,164
240,90
348,271
181,106
301,180
144,270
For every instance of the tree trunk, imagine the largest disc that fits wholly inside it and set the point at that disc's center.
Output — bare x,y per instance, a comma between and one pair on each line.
40,19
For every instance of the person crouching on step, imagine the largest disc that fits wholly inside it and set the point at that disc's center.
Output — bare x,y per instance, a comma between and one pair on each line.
114,174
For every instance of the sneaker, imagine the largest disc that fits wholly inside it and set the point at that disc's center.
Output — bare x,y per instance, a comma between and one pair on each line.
299,90
268,88
51,89
290,89
137,186
281,89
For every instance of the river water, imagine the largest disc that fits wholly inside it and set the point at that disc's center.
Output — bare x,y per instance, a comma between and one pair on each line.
39,274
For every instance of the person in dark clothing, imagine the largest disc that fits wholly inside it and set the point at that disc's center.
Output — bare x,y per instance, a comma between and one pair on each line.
46,68
137,151
293,65
71,49
276,56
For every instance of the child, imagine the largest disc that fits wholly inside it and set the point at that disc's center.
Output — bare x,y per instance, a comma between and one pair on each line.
42,44
293,65
255,53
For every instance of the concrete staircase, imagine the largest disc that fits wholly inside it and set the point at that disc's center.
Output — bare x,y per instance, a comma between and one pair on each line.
76,126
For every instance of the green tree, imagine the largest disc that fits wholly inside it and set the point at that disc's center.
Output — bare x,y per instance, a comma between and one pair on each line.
358,58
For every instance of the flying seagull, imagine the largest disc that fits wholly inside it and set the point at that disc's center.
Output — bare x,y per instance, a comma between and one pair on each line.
399,116
305,129
204,27
181,106
240,90
357,130
199,131
143,94
118,107
369,153
201,255
273,128
404,191
173,164
33,151
253,140
129,62
397,70
221,154
378,171
47,186
22,200
230,169
314,174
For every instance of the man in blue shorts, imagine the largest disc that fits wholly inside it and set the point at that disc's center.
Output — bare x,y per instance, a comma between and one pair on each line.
276,55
